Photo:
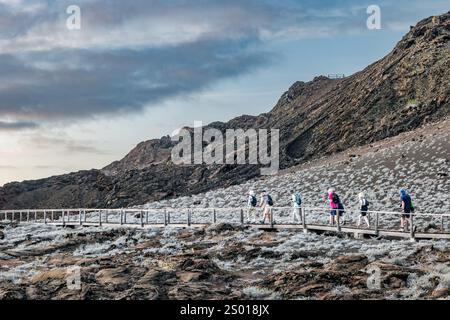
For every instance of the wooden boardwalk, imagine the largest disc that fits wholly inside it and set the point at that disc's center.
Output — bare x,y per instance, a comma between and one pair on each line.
140,218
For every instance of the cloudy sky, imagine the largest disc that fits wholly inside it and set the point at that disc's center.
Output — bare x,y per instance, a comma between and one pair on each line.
139,69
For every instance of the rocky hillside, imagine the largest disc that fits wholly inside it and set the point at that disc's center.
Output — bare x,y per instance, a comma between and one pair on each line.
405,90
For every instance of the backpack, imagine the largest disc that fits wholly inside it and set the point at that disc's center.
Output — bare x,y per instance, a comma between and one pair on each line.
335,198
253,201
298,199
269,200
341,209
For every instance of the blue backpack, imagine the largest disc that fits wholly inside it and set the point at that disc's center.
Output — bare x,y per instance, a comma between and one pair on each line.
298,199
253,202
269,200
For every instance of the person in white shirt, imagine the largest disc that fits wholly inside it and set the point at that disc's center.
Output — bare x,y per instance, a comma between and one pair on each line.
363,207
297,203
251,207
266,206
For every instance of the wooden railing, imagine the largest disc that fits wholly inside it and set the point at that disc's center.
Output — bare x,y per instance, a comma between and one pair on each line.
383,223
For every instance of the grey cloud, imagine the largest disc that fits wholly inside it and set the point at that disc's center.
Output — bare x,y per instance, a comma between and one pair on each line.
90,83
17,125
133,54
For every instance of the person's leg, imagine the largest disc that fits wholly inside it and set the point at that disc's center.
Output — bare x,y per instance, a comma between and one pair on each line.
264,215
249,213
332,213
293,215
269,211
366,218
359,220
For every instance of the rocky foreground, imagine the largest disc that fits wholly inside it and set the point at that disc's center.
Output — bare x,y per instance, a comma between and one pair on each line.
219,262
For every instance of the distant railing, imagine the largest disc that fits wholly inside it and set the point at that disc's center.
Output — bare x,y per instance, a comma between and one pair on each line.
336,76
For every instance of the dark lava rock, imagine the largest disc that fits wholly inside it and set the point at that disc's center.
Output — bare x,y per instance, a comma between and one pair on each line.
223,227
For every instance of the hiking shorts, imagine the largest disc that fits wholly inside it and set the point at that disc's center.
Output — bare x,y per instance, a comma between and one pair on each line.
333,212
407,214
363,213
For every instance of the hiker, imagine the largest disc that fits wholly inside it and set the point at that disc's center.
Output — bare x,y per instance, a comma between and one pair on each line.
407,208
337,207
297,203
251,207
363,207
266,206
334,204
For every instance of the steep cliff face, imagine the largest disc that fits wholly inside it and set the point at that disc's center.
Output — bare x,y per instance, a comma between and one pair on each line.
401,92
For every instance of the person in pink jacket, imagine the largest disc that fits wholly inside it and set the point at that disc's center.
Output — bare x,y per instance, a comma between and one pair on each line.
333,205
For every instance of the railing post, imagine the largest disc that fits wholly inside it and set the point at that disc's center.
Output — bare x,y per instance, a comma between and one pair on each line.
63,215
214,217
100,217
142,219
52,213
45,216
271,217
377,223
80,217
28,215
338,218
168,218
121,216
35,216
189,218
442,224
146,217
303,215
411,226
165,217
242,216
125,216
20,216
84,216
106,215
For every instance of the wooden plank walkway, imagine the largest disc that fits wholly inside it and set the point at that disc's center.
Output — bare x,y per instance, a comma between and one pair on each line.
79,217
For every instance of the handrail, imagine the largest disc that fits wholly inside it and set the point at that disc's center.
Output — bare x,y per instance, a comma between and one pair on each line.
99,217
322,209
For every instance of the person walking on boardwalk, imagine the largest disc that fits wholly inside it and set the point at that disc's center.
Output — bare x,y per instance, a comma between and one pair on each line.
334,204
363,207
297,203
266,206
407,208
251,207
